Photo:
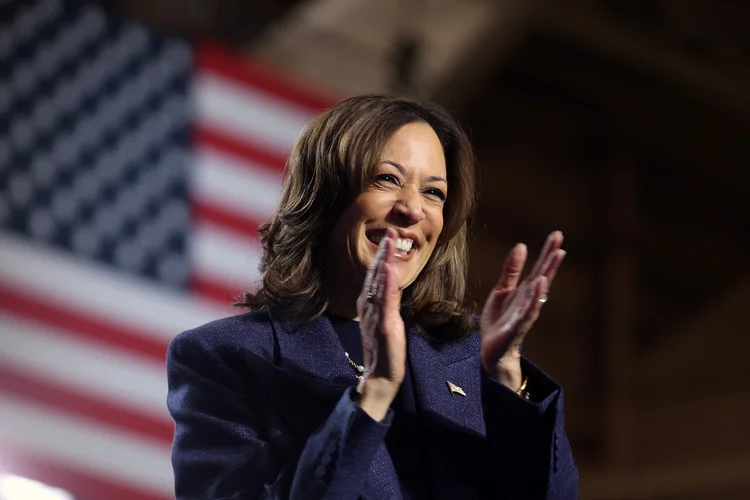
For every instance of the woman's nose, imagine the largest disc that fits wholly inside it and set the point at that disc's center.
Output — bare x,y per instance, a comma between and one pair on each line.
409,205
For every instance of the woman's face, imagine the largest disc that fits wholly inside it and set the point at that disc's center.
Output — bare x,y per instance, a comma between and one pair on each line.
408,195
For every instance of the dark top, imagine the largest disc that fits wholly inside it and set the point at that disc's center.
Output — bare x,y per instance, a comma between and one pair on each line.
263,409
403,439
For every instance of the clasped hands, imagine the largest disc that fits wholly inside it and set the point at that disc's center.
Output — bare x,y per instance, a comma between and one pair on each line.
510,311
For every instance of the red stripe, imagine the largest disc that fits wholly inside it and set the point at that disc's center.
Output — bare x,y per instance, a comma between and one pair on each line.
216,58
242,148
215,291
63,398
80,325
209,213
81,484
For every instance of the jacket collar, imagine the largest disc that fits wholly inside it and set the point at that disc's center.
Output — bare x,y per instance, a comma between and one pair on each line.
313,350
434,366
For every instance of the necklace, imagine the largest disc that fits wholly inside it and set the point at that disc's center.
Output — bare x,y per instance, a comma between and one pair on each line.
359,368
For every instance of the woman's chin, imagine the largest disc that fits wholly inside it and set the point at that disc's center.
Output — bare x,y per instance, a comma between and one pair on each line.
402,265
404,278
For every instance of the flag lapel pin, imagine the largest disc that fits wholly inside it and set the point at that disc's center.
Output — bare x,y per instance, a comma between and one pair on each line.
455,389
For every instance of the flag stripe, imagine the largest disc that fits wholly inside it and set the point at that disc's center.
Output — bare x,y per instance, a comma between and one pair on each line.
62,398
229,181
227,220
255,155
214,58
94,291
82,325
225,256
248,115
85,445
217,292
83,484
109,374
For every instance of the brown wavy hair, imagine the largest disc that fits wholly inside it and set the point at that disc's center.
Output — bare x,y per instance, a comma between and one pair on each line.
332,162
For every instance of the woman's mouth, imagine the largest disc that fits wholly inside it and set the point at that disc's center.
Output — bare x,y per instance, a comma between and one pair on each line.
404,246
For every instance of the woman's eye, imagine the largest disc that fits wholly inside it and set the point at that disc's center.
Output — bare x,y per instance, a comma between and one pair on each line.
436,193
387,178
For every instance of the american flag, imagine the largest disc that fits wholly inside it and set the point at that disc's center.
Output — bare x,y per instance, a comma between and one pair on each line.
134,171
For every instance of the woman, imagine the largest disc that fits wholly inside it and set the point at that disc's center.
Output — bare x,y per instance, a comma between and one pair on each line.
360,371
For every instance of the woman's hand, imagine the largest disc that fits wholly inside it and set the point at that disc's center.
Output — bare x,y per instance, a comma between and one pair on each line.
512,308
383,332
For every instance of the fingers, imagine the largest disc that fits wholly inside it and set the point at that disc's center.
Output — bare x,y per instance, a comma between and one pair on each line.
504,330
381,325
554,265
373,288
533,304
385,260
553,243
546,264
512,268
379,288
372,271
388,295
390,291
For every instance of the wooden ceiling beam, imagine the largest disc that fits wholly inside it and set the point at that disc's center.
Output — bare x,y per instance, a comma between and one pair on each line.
720,83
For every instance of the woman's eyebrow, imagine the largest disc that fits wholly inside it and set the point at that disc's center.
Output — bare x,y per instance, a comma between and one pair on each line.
402,169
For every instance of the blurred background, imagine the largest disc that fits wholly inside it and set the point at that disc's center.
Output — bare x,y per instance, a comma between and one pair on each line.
143,141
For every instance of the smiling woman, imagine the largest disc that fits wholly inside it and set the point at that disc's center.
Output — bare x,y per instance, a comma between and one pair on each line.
360,370
408,191
369,163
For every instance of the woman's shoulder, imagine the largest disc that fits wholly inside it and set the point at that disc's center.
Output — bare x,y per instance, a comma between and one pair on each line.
251,331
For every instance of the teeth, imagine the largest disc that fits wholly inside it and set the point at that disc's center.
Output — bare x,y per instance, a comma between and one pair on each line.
404,244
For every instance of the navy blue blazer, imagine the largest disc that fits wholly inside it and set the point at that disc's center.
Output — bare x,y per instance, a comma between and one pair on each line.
263,409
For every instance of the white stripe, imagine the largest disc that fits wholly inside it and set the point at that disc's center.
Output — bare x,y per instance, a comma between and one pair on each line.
225,256
86,445
235,184
104,373
246,113
100,292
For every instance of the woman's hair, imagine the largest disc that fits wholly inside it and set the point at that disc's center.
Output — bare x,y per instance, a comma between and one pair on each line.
332,162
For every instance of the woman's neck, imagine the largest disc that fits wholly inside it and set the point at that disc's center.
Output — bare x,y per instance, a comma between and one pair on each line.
343,309
344,304
343,285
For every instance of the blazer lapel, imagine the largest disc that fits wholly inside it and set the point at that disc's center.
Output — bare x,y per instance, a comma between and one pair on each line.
312,350
313,356
441,373
312,353
310,373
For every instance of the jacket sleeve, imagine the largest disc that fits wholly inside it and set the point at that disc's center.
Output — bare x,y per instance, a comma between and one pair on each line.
221,450
529,438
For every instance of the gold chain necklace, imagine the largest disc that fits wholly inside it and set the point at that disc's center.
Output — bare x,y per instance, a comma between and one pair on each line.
359,368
